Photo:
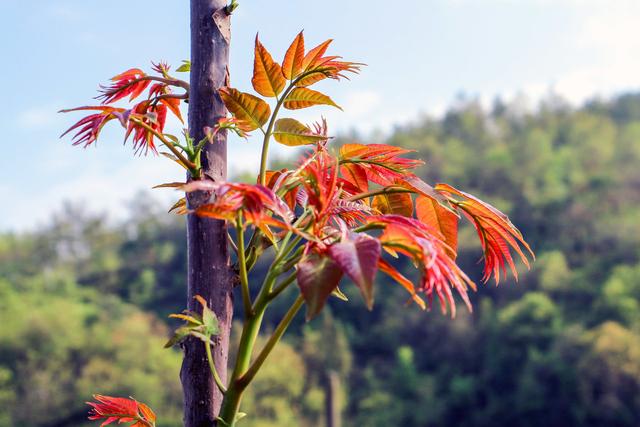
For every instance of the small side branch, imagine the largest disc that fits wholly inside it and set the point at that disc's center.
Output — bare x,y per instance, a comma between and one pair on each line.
242,264
214,371
386,190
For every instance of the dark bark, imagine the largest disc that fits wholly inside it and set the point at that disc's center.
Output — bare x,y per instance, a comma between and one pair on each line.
332,400
209,272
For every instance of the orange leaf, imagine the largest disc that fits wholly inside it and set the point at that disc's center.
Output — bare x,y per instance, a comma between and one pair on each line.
388,269
146,412
413,183
433,214
250,110
348,151
292,63
356,175
291,132
267,75
302,98
311,78
314,56
173,104
394,203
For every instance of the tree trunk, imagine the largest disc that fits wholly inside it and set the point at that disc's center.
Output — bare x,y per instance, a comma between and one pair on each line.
209,271
332,399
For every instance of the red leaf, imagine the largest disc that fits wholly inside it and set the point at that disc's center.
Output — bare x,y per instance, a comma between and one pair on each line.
494,229
425,247
173,104
383,163
89,127
259,204
153,115
357,255
317,277
112,409
125,84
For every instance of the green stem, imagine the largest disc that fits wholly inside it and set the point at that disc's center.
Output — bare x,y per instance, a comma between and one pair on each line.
233,396
269,131
277,290
293,260
242,263
273,340
250,331
287,248
214,371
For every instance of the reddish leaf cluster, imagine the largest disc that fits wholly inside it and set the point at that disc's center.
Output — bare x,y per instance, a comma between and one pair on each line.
497,234
335,215
353,208
121,410
259,205
144,119
349,223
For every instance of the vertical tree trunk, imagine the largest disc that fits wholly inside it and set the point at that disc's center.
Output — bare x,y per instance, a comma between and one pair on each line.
209,272
332,399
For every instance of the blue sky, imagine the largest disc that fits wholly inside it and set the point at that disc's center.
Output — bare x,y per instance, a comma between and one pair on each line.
420,53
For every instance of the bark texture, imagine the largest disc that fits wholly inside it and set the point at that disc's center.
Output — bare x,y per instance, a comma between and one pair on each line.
209,271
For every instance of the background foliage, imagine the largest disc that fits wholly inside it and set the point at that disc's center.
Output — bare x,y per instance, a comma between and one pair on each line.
561,347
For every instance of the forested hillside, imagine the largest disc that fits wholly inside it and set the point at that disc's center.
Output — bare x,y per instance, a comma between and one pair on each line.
559,348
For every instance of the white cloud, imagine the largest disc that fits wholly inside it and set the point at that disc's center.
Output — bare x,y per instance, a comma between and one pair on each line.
38,117
606,34
99,185
610,35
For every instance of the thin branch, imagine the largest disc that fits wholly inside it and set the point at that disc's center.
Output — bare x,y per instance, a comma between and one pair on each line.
166,143
232,243
280,287
214,371
242,264
269,131
386,190
289,263
171,82
271,343
172,96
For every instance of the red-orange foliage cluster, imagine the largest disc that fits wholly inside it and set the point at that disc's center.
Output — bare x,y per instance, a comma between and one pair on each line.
345,212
